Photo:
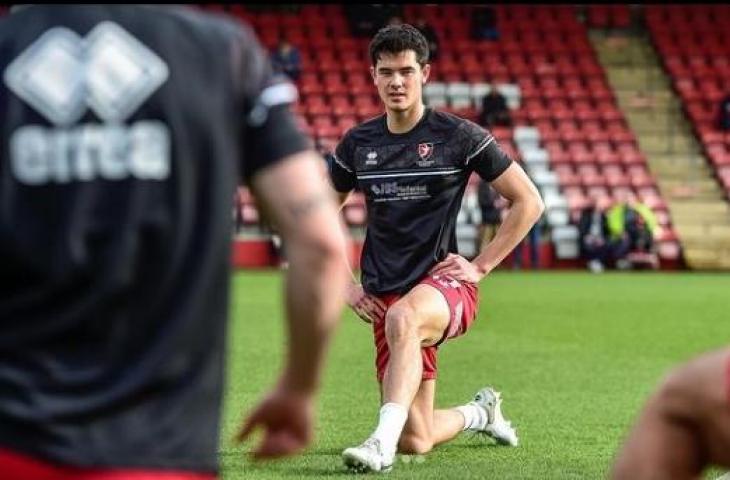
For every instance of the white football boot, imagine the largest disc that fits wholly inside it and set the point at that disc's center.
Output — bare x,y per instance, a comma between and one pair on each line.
368,457
496,426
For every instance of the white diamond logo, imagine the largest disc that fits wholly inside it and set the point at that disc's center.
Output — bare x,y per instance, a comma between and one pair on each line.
49,76
122,72
61,74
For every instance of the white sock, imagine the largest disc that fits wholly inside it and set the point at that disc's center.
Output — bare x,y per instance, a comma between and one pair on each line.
393,418
474,416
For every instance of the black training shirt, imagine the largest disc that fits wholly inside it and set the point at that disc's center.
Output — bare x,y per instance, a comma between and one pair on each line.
123,133
413,185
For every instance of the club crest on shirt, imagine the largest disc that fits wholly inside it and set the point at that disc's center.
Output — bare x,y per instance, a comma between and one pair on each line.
425,150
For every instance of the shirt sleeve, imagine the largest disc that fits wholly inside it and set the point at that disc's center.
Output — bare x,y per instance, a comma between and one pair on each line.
341,171
270,132
483,154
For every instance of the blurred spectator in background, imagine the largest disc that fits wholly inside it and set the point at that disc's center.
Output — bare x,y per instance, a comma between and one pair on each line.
640,225
633,226
724,119
594,234
286,59
494,109
491,213
484,23
431,36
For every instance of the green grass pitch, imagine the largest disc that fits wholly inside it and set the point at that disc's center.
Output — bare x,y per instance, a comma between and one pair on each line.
575,355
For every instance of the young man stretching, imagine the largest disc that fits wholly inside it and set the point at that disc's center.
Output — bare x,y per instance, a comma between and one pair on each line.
413,164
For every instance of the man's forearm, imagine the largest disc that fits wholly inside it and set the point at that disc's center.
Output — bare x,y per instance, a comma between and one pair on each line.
342,198
315,287
522,215
300,202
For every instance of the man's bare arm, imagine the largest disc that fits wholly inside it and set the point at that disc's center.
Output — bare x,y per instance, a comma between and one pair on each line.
526,208
298,200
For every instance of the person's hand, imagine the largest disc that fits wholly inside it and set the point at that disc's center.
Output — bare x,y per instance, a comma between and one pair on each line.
369,308
458,268
287,418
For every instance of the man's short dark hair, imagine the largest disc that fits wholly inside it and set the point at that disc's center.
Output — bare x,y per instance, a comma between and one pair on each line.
399,38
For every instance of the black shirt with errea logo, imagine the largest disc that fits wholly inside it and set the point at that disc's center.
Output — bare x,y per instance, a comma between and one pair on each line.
124,131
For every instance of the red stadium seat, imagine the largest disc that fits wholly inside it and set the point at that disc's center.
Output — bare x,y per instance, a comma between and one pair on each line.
571,133
567,177
321,121
598,16
317,110
580,154
341,105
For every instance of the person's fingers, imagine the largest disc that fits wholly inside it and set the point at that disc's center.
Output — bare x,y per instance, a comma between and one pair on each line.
358,303
363,315
361,307
438,269
449,270
371,313
377,309
370,303
248,427
448,261
460,277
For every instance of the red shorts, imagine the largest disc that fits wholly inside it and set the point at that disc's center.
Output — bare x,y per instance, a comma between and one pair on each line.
463,300
17,466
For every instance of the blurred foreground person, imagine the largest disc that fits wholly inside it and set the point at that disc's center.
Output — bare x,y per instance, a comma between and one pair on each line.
685,425
125,130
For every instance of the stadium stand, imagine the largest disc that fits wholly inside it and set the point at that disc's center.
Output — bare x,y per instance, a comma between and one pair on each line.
569,130
694,47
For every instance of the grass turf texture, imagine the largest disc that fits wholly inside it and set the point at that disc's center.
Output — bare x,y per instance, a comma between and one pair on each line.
575,356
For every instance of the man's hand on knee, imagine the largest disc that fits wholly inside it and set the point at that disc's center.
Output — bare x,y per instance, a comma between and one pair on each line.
368,307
